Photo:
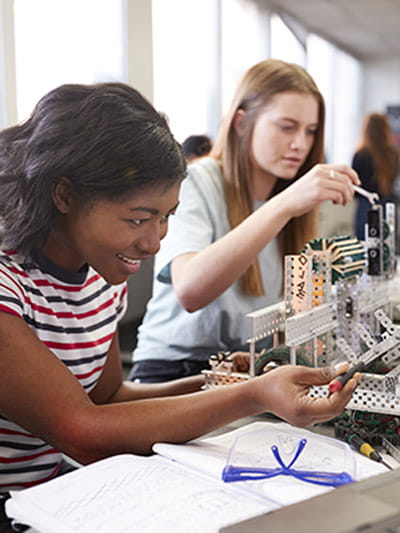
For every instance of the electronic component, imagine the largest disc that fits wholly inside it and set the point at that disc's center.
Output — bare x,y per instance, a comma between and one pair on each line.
374,241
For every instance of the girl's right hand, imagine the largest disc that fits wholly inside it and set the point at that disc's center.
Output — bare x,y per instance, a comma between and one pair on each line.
285,392
323,182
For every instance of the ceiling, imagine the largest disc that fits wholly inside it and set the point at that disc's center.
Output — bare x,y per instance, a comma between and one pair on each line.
368,29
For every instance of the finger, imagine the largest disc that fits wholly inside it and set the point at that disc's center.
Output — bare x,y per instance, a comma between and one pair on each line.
241,365
348,187
336,183
323,409
336,402
347,171
348,389
241,361
240,354
320,376
339,368
342,184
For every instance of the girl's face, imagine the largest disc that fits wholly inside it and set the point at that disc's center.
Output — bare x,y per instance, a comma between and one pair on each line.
283,135
112,237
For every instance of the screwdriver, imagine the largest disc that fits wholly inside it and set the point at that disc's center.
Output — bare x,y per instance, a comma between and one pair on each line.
366,449
363,363
340,381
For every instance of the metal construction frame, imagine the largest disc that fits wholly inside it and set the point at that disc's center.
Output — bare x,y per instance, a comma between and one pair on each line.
350,320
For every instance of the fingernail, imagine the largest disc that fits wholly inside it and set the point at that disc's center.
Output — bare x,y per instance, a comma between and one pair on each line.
341,366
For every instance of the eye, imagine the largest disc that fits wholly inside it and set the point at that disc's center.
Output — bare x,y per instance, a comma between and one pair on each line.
137,221
287,128
166,217
311,132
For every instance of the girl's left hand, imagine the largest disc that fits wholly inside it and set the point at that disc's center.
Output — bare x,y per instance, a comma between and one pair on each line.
241,361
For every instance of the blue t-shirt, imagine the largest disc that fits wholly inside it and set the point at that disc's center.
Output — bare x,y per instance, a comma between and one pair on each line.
168,331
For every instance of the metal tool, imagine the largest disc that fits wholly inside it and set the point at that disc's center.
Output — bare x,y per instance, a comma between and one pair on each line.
373,197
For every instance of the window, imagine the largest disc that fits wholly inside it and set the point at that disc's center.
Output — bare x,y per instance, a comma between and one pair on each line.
347,106
200,51
186,65
67,41
321,66
244,42
284,44
338,76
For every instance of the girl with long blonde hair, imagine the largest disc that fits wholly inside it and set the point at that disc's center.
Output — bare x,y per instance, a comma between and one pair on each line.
241,209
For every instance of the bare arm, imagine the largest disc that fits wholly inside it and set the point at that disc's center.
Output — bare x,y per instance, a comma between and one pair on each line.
110,388
39,393
199,278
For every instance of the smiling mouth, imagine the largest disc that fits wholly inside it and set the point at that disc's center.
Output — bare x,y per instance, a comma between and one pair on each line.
128,260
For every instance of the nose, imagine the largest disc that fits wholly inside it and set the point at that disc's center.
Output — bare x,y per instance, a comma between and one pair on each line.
149,242
300,141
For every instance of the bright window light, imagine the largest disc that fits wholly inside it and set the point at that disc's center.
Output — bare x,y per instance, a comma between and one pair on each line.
338,76
244,48
321,66
186,64
284,44
347,106
66,41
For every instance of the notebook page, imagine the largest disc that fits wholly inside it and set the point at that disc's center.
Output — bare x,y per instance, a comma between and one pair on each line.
210,455
131,493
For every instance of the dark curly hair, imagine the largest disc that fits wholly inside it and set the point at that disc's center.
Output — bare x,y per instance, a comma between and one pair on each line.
106,139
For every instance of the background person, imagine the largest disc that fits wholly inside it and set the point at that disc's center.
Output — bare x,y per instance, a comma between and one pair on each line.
377,164
241,210
196,146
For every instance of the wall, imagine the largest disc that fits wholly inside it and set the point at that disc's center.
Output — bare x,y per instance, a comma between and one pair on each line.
381,84
139,41
8,103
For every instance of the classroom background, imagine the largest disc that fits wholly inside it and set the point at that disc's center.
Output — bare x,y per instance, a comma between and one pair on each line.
186,56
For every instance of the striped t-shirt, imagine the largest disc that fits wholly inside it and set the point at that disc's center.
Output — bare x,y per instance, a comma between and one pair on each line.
75,315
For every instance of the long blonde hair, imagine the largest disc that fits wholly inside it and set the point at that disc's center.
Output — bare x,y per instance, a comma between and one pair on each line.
377,139
255,90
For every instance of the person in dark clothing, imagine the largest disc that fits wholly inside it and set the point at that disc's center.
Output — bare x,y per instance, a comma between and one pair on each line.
376,161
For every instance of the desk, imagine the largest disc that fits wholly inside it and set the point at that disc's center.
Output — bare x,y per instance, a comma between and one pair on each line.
171,497
370,506
323,429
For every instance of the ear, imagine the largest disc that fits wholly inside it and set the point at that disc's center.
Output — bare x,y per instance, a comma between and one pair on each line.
62,196
239,121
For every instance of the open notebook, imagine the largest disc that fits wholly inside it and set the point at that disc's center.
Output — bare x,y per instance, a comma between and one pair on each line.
179,489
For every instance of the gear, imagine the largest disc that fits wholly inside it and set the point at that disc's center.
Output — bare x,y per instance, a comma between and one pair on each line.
347,255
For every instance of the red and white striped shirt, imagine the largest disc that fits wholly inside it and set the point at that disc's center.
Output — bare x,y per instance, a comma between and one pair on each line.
75,315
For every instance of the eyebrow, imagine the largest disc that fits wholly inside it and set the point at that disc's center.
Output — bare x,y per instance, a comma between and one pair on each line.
294,121
151,210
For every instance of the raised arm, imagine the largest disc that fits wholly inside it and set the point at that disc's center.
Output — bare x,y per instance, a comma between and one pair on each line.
199,278
39,393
